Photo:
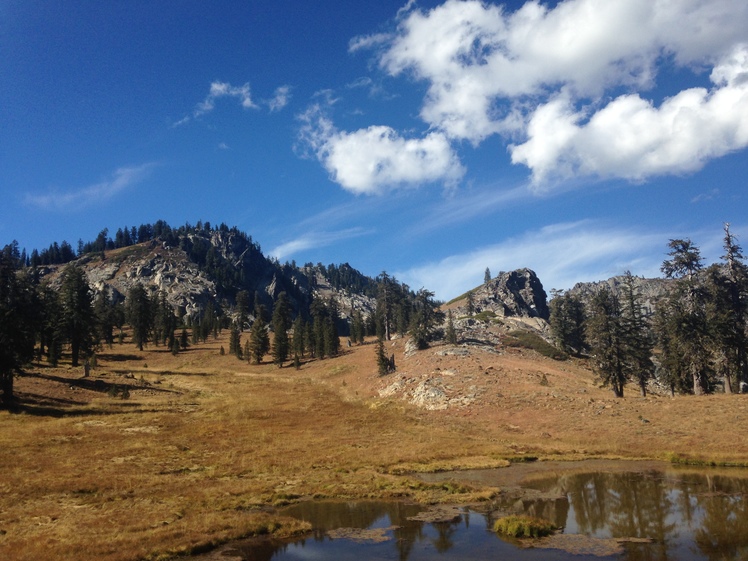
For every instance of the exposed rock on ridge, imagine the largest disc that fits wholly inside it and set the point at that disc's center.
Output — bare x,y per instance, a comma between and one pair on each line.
515,294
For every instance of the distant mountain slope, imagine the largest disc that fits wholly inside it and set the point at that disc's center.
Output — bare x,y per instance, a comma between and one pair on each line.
196,265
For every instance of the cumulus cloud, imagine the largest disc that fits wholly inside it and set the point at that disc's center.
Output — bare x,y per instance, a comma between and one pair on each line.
561,255
377,158
632,139
121,180
543,76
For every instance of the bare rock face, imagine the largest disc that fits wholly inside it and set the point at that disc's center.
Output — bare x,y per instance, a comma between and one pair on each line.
649,290
515,294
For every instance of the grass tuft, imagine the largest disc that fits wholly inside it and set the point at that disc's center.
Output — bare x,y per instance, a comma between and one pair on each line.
520,526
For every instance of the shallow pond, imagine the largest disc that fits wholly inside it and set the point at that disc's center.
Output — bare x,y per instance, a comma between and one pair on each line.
643,514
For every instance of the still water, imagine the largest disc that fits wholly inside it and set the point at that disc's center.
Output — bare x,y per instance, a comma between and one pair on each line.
660,515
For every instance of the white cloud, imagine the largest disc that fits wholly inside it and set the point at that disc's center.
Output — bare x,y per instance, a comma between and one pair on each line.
561,255
540,76
312,240
632,139
217,91
375,159
280,99
121,180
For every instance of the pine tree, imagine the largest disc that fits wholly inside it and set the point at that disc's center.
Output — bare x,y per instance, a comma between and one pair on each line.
727,289
299,330
16,325
426,316
470,303
78,321
682,327
103,312
637,334
357,327
259,341
383,363
487,276
139,314
605,336
281,324
567,323
242,308
451,333
235,345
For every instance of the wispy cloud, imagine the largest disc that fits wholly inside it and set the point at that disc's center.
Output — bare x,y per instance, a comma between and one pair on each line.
466,206
121,180
280,99
313,240
708,196
219,90
561,254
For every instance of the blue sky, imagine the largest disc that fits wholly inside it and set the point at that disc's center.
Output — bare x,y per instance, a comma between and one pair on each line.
430,139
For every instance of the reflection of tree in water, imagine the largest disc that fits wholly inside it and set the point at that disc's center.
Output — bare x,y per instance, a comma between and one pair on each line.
325,516
723,533
445,531
407,532
588,494
626,505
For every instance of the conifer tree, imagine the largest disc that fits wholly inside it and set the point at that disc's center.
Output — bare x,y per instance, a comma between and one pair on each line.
16,326
235,345
682,328
637,334
104,315
78,321
727,290
470,303
259,342
383,363
281,324
487,276
426,316
451,333
567,323
242,308
139,314
299,330
605,336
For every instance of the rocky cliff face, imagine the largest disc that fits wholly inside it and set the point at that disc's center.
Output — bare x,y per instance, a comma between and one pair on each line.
515,294
650,290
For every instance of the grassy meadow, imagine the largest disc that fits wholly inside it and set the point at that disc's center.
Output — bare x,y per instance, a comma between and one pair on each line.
156,455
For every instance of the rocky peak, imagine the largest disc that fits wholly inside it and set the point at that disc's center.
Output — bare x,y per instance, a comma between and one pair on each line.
514,294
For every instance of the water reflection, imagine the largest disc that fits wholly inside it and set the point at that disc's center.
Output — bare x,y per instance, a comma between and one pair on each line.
673,515
685,515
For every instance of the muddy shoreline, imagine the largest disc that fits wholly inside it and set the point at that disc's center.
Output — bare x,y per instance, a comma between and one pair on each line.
517,475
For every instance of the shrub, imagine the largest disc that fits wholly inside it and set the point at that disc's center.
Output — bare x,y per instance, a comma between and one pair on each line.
528,340
520,526
485,315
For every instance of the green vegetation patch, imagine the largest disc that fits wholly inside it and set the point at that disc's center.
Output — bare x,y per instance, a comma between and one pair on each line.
485,315
528,340
521,526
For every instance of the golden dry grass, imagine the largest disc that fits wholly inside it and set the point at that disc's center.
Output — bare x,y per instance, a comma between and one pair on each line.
205,444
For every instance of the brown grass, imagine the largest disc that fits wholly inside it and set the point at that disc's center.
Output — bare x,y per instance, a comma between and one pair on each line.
206,443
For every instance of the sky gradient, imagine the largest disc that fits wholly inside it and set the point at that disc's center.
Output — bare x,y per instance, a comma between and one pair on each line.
426,139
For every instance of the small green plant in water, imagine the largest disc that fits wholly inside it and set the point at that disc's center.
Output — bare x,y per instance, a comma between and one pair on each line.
520,526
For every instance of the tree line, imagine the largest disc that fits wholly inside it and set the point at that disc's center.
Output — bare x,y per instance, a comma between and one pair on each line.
695,342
